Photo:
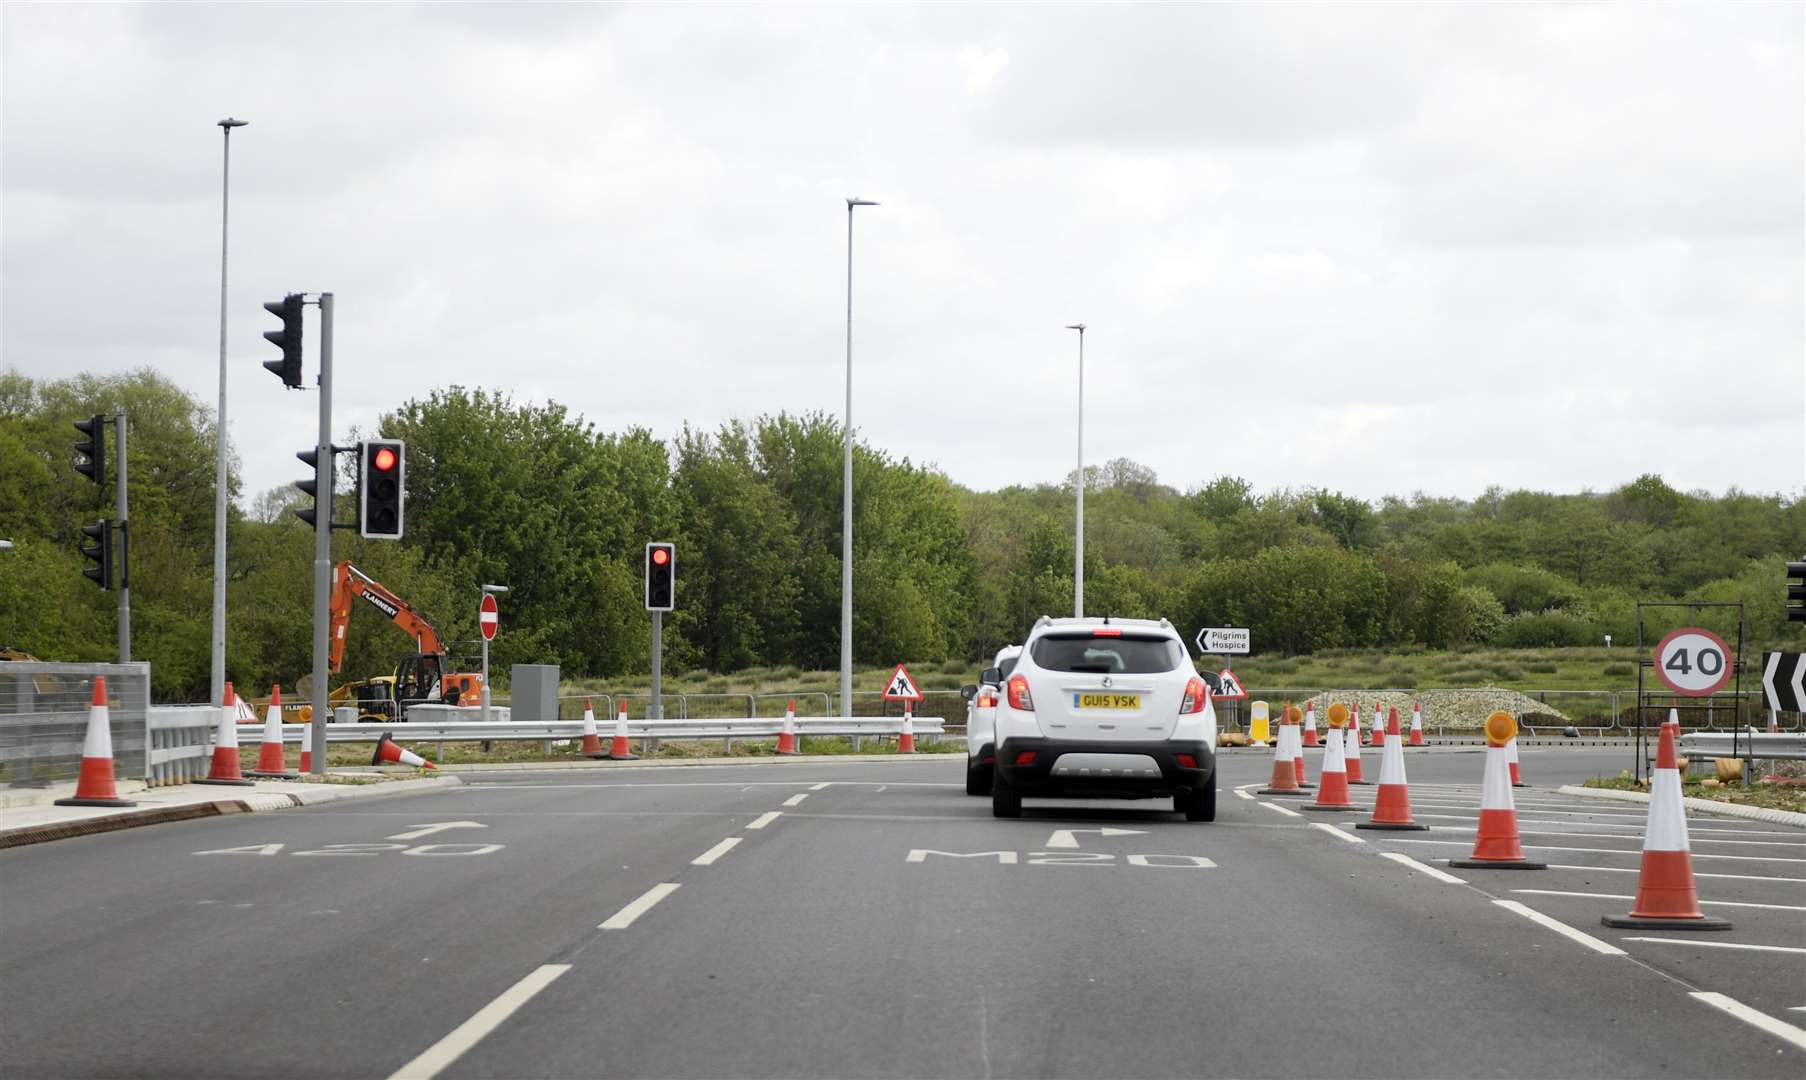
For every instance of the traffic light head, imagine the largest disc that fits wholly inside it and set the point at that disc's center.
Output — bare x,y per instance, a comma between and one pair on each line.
380,488
94,448
310,486
288,339
1796,592
661,576
100,554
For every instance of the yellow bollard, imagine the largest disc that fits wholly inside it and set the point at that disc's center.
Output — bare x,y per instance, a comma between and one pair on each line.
1257,723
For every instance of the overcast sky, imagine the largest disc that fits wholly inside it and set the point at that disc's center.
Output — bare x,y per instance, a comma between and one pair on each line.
1377,249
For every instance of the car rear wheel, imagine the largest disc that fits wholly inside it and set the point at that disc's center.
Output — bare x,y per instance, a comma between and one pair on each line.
1200,805
1006,801
978,778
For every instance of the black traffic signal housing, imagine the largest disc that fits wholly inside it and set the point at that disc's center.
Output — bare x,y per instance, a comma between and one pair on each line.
310,487
381,487
661,576
94,447
288,339
101,554
1796,592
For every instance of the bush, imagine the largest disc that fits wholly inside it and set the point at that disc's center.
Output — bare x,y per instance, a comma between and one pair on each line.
1543,629
1619,669
955,667
1541,667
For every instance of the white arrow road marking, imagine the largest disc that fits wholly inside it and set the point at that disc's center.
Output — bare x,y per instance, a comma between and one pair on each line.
1068,838
427,830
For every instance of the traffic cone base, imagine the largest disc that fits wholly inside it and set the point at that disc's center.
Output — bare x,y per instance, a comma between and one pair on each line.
1391,826
240,782
1498,864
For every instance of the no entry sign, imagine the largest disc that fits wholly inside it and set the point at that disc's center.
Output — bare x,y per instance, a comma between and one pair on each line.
488,618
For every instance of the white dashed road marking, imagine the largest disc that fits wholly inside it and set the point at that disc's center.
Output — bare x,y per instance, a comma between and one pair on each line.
708,857
487,1019
765,819
1718,944
1604,947
1281,809
1755,1018
623,918
1425,868
796,800
1624,896
1337,833
822,785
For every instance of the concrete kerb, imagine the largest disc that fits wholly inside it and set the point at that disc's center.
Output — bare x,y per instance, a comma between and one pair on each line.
251,802
1704,806
691,763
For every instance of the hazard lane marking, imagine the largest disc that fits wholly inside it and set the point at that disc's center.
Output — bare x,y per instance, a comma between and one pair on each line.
1778,1028
1281,809
466,1035
1609,851
708,857
1337,833
765,819
623,918
1626,836
1243,795
1718,944
1423,868
825,783
1620,896
796,800
1562,928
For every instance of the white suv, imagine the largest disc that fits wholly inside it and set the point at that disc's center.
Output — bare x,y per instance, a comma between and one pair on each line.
1104,708
981,715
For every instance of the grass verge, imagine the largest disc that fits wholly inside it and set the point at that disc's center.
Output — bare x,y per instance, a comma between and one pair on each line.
1771,796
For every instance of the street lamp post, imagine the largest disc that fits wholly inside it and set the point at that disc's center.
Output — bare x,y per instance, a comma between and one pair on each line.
846,496
219,495
1078,547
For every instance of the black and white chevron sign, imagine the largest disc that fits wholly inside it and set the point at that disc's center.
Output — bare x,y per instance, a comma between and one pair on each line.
1784,681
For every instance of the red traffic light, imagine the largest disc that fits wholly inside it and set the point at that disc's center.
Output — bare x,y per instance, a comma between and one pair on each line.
385,459
660,556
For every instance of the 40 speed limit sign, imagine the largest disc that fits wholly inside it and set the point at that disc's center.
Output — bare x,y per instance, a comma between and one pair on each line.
1693,661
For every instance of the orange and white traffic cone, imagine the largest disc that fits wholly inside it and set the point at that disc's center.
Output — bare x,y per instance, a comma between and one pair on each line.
592,740
1774,723
1310,724
1496,844
906,739
1392,802
1379,726
1666,899
94,784
787,736
307,752
1417,725
1296,720
224,769
1332,785
1511,762
390,752
1351,748
271,764
1285,774
618,749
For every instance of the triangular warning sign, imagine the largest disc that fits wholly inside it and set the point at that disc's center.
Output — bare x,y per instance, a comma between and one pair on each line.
901,687
1232,687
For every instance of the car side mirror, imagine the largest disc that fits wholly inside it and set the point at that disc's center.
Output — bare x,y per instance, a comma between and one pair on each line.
991,676
968,692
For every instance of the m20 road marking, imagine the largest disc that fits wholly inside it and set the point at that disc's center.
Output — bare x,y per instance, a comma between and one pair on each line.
362,849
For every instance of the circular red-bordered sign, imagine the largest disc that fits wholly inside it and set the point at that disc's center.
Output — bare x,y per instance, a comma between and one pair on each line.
1693,661
488,619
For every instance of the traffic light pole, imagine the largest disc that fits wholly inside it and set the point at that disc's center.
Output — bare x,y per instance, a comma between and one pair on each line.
323,540
125,548
656,711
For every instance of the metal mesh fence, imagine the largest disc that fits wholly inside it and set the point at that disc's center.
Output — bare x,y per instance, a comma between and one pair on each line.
44,719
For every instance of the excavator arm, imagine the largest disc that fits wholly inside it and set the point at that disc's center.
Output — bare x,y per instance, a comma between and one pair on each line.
348,582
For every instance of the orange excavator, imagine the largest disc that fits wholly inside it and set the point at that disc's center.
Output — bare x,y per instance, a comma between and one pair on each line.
421,676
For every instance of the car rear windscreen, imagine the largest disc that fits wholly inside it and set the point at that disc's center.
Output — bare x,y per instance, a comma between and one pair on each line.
1107,655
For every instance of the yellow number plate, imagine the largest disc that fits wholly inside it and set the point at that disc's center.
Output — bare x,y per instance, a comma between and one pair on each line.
1109,701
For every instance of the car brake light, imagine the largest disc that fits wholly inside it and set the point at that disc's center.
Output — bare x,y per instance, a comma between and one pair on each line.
1194,697
1019,696
1027,757
1112,632
1186,761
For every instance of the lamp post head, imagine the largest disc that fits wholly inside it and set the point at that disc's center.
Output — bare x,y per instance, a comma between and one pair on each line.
495,588
228,123
1079,326
858,202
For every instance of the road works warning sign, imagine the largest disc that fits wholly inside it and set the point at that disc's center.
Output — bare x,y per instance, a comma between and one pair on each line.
901,687
1232,689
